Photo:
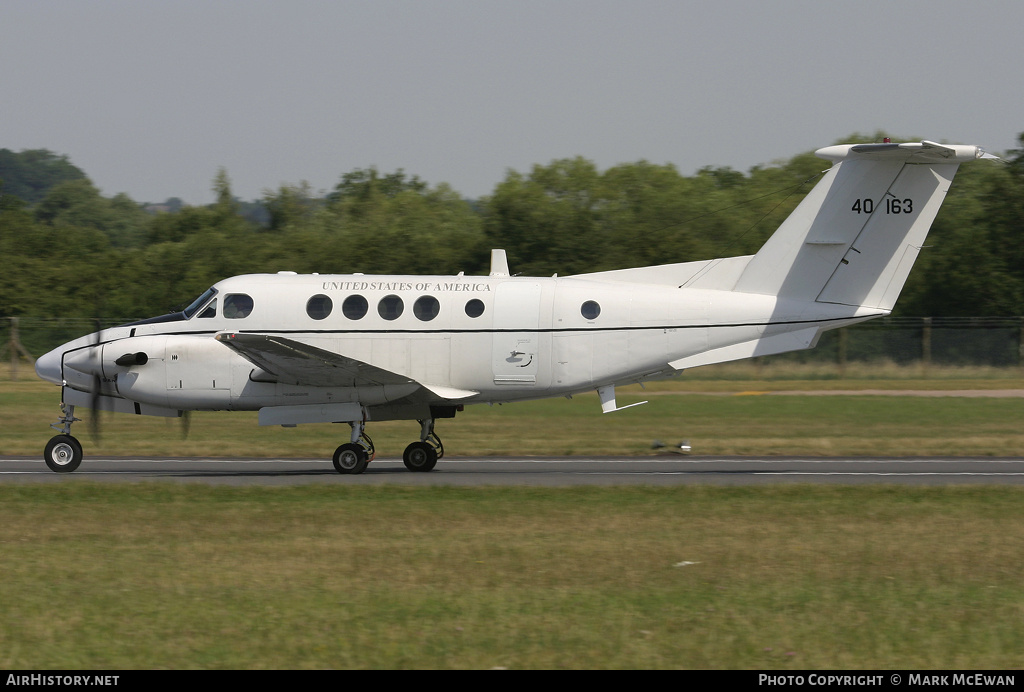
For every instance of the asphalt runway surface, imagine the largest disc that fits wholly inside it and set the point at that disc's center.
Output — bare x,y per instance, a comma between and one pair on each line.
675,469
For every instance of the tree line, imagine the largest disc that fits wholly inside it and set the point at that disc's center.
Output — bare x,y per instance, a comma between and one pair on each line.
69,251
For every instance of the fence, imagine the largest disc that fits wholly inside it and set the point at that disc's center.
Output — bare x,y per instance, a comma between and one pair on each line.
985,341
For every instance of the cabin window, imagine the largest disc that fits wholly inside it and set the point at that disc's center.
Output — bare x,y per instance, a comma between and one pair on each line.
390,307
355,307
475,307
426,308
590,310
319,306
209,311
237,306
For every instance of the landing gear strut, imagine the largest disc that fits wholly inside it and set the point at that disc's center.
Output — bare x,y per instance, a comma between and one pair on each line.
353,457
63,452
423,454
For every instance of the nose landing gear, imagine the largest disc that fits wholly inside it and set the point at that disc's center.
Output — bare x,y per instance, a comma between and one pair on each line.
63,452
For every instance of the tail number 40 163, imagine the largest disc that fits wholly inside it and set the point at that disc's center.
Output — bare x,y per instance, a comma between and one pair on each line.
892,206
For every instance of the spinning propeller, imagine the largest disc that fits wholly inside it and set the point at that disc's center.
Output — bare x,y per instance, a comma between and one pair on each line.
92,366
96,353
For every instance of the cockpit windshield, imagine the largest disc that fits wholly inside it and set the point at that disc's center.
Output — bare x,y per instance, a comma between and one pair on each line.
199,302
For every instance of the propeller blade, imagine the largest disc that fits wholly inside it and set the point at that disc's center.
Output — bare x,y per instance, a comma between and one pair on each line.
186,423
97,382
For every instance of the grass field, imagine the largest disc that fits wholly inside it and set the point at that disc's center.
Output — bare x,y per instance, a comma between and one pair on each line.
127,576
170,576
719,411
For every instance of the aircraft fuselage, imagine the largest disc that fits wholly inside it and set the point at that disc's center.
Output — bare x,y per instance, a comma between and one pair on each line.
494,339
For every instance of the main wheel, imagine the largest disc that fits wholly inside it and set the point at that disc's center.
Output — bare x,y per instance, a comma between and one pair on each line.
63,454
350,458
420,456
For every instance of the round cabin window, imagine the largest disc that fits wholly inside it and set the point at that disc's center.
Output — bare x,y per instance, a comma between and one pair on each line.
319,306
590,310
426,308
390,307
475,307
354,307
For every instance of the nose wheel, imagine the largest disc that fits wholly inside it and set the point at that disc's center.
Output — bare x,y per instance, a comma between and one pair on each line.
63,454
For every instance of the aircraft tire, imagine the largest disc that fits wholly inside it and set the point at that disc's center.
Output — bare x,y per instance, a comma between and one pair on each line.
350,458
420,456
63,454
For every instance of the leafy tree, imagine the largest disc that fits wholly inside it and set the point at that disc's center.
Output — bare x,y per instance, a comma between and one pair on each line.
30,174
222,191
78,204
550,220
290,206
107,257
366,183
395,225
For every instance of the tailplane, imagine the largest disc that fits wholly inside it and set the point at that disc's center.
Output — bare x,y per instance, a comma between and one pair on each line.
855,236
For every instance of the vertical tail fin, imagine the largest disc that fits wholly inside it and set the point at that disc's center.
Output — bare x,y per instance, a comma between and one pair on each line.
855,236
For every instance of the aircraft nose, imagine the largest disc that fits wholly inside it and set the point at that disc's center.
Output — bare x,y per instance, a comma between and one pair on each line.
48,366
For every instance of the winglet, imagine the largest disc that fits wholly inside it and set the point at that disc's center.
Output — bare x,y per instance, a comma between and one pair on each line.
607,394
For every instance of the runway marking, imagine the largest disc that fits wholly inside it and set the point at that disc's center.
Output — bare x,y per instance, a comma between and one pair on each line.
808,473
638,473
581,460
678,459
781,460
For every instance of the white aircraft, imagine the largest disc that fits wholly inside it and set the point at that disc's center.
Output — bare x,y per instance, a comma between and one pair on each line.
355,348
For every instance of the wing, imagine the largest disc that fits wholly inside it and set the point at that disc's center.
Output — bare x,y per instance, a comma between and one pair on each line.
293,362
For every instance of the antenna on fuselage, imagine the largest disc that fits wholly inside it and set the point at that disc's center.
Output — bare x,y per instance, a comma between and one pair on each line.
499,263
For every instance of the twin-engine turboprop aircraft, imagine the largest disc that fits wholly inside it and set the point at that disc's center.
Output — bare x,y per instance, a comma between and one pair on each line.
354,348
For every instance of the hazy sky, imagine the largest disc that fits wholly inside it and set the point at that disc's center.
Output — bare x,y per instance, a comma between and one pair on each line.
151,98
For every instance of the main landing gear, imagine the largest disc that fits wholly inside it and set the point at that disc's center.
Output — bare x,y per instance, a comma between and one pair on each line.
354,456
422,455
63,452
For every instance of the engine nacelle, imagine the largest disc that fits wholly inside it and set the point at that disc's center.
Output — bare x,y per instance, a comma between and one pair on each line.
173,371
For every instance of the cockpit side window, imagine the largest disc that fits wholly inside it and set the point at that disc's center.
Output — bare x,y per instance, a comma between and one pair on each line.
199,302
209,311
237,306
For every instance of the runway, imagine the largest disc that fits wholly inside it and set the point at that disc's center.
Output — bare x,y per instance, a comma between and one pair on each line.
534,471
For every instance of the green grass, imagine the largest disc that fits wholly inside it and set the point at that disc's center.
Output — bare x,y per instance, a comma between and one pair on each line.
717,415
127,576
171,576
